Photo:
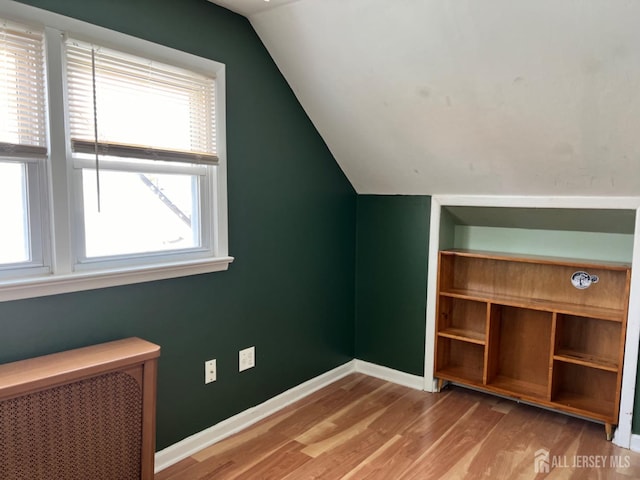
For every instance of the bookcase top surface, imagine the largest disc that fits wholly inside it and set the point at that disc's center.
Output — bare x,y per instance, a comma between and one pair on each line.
540,259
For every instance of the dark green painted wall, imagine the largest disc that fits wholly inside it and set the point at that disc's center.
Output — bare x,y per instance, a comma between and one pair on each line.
290,291
392,243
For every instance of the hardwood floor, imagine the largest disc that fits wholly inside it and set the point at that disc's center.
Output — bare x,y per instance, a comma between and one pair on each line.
362,428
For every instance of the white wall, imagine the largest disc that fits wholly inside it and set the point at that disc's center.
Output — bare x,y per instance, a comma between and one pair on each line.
535,97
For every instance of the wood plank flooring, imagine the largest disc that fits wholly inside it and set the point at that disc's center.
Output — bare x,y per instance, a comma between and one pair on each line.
363,428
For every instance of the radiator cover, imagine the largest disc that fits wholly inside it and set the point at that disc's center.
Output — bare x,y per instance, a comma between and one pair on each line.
82,414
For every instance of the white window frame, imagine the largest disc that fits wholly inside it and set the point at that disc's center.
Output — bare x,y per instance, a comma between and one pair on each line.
61,272
29,153
37,221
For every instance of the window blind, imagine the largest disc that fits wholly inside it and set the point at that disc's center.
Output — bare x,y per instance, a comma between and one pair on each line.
22,92
143,109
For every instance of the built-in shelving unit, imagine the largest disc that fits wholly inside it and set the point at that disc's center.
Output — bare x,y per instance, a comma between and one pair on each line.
517,326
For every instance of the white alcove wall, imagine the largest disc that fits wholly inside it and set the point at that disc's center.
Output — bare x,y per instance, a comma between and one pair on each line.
628,249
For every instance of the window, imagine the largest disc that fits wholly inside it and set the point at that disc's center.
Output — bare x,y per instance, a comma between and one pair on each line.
142,137
112,159
23,149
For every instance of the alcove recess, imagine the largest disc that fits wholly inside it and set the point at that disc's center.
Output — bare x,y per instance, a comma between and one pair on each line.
514,323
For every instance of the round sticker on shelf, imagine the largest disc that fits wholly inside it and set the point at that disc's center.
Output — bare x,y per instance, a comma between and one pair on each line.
582,280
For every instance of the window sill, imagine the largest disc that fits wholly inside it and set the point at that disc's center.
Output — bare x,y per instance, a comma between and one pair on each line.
75,282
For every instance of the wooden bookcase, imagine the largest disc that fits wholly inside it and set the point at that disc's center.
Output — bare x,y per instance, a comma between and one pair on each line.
516,325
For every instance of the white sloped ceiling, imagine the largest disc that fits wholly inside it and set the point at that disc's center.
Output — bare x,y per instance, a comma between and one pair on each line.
532,97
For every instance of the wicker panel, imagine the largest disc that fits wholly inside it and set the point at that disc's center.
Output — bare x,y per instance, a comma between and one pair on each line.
87,430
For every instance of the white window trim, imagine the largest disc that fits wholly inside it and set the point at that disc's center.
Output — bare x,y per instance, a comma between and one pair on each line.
64,278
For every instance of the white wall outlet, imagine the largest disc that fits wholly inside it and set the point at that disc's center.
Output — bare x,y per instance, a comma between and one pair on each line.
247,359
210,371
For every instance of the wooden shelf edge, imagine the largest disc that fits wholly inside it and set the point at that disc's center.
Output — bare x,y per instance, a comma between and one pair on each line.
453,375
493,389
603,413
525,258
585,407
462,335
519,388
576,358
599,313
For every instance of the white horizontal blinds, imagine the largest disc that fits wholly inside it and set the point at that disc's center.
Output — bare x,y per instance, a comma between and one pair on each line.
143,109
22,92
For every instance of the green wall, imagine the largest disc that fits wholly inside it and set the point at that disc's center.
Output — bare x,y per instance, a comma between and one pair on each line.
447,230
290,291
391,280
609,247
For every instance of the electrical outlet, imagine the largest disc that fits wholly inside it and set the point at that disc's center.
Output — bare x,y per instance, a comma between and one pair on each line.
210,371
247,359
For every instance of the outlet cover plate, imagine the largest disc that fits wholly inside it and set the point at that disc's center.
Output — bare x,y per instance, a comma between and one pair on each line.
246,359
210,371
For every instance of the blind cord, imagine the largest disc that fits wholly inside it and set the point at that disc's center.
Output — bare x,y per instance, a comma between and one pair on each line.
95,122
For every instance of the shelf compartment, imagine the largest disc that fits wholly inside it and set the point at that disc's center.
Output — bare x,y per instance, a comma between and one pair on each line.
462,319
519,388
459,361
591,342
611,314
519,281
519,353
585,390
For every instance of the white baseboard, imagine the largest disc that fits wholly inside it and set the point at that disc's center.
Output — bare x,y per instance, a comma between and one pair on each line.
193,444
635,443
190,445
389,374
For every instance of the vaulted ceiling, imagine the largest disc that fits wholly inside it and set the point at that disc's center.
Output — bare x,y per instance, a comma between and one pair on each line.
532,97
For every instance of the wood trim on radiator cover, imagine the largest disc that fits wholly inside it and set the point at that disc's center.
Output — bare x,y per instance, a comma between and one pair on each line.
42,373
